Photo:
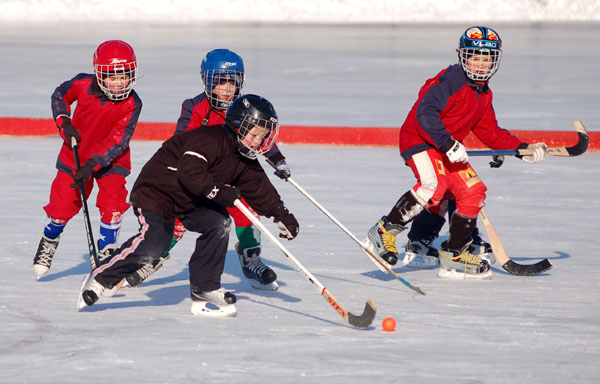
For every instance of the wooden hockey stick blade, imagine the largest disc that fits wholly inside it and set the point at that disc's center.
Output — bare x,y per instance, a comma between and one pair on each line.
367,317
509,265
583,142
362,321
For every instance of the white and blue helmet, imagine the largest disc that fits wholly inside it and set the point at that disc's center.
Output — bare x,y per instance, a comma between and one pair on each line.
480,41
220,66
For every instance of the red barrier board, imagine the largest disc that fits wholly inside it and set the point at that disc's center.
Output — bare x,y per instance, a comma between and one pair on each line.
295,134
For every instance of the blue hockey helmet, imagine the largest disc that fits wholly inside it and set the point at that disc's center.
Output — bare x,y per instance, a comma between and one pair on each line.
479,52
221,66
254,121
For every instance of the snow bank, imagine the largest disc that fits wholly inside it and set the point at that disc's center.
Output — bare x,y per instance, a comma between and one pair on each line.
305,11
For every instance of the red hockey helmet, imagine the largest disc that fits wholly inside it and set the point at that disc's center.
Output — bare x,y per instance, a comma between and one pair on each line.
115,58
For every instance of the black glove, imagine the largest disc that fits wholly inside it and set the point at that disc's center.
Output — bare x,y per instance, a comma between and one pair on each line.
288,226
69,131
287,223
225,196
497,161
84,173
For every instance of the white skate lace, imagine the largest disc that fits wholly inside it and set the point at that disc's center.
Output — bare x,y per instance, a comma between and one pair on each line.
255,265
46,253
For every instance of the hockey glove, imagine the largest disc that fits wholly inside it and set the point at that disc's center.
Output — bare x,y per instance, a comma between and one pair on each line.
287,223
84,173
457,153
497,161
225,196
288,226
69,131
540,152
282,170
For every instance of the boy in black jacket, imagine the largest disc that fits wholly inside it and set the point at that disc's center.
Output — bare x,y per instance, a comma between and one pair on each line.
194,176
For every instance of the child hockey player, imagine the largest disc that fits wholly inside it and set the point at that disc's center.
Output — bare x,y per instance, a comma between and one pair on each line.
103,122
223,74
194,177
454,103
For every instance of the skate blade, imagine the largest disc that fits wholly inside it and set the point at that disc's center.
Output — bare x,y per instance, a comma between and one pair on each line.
80,302
263,287
208,309
453,274
413,260
367,243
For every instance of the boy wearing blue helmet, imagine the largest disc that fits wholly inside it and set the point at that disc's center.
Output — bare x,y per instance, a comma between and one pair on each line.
223,76
451,105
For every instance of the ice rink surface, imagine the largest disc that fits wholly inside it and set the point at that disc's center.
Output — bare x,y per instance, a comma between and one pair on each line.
510,329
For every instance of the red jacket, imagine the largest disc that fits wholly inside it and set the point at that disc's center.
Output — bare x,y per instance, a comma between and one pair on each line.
105,127
448,108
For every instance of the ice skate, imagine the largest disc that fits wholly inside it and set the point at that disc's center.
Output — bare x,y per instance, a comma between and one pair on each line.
259,275
142,274
106,252
420,254
381,239
92,290
460,264
43,256
482,249
217,303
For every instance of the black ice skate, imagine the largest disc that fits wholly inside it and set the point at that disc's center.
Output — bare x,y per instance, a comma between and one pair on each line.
43,256
217,303
105,252
258,274
420,254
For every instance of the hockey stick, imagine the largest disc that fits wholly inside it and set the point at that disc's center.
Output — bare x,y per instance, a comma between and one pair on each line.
362,321
86,214
373,256
583,142
500,254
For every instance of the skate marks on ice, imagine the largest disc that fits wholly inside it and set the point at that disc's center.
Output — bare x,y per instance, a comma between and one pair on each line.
36,329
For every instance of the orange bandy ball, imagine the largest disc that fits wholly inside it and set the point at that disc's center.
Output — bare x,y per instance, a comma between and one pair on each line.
388,324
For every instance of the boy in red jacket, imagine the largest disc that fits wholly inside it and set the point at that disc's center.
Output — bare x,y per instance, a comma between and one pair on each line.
102,123
451,105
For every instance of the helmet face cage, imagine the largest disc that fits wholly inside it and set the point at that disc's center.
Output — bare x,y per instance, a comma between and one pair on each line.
221,66
215,77
479,53
116,61
249,128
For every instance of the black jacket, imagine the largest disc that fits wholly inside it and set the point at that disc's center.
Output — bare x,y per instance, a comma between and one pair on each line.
187,168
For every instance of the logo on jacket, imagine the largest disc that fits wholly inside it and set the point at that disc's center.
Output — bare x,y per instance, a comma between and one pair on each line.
213,193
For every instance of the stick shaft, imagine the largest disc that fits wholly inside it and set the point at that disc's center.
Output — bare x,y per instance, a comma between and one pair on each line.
86,213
